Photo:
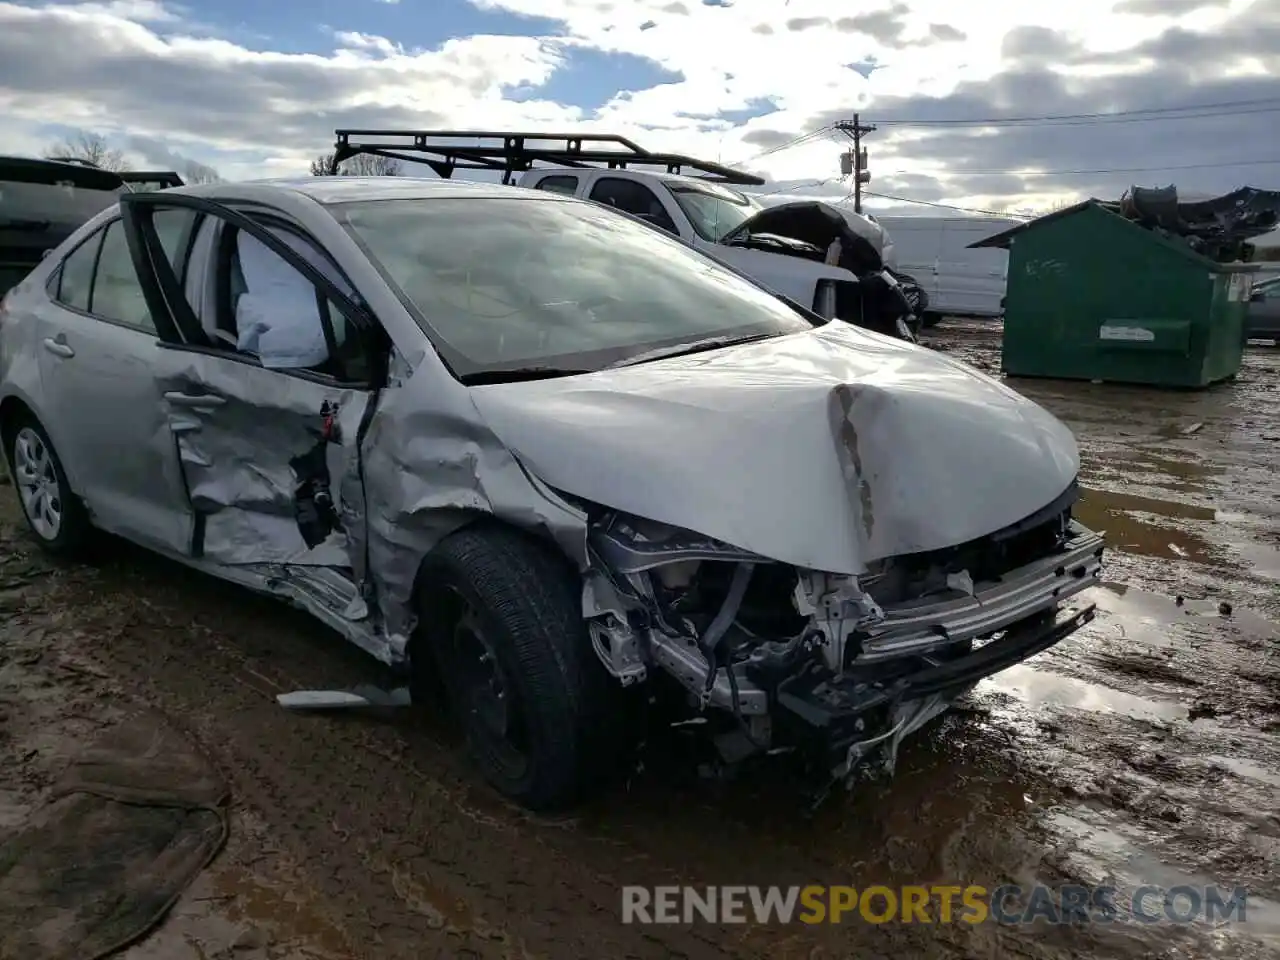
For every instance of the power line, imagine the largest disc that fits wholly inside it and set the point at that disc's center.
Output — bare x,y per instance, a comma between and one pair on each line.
1077,173
943,206
1112,121
1224,108
807,184
787,145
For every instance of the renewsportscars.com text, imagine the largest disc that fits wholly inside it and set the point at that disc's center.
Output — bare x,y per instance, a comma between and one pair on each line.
936,903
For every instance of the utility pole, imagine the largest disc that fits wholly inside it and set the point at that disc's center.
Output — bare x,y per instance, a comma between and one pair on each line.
855,161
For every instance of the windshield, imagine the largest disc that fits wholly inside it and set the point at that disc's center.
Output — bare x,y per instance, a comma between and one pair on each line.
713,211
513,283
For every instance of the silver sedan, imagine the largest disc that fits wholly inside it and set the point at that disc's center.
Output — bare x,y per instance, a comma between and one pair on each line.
540,450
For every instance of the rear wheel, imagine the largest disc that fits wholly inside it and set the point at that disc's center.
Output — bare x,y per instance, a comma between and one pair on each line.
929,319
500,615
54,515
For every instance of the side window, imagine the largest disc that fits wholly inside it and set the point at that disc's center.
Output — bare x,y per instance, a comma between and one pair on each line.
117,295
174,227
633,198
559,184
75,276
270,310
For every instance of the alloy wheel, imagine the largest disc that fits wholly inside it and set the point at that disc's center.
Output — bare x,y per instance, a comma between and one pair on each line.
37,481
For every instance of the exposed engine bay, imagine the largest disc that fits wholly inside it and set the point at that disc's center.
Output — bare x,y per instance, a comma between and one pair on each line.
837,667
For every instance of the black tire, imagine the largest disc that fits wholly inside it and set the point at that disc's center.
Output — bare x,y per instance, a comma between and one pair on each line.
525,600
929,319
73,528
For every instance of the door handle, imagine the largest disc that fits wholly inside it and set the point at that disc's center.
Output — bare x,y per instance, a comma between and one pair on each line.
58,346
201,401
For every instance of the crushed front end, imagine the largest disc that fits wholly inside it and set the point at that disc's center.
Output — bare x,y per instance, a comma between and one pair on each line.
836,667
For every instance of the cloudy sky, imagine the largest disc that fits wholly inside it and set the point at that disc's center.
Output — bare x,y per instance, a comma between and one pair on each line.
256,88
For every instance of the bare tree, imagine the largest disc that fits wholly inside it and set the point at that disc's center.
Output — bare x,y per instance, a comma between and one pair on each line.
323,166
91,148
193,171
361,165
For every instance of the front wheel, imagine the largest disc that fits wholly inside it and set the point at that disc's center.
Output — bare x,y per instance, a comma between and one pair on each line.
53,513
500,614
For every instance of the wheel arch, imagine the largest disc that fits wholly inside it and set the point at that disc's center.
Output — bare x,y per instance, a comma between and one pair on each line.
13,408
476,522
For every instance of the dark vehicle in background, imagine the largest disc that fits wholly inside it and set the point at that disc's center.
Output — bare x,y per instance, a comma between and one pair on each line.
42,202
1263,320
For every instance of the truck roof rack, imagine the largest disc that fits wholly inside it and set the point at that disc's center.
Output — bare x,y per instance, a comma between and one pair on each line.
445,151
165,178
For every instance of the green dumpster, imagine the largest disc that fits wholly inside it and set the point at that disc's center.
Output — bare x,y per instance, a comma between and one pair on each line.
1093,295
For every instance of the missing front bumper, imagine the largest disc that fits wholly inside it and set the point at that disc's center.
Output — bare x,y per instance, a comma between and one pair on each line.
929,625
840,717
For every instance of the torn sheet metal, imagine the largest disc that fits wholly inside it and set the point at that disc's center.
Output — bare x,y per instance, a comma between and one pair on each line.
826,450
1240,215
431,466
264,458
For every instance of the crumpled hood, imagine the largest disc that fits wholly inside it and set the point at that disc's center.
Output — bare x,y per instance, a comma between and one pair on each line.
770,216
826,449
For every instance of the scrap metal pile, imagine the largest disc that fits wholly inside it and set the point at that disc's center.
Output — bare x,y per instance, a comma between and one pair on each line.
1219,228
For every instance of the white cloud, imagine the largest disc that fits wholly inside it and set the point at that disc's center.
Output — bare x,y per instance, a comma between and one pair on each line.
136,68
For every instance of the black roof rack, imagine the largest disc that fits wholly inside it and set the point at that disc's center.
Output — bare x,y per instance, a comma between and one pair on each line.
162,178
445,151
165,178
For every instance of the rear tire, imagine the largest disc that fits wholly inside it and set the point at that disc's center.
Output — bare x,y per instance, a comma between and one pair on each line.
500,614
54,514
929,319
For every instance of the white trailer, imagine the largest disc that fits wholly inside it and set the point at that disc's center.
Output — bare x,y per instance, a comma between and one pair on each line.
935,251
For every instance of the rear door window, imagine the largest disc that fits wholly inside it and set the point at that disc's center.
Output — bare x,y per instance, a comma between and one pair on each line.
117,295
75,277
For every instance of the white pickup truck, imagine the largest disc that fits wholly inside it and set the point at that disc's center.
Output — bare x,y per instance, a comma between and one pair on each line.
784,247
728,224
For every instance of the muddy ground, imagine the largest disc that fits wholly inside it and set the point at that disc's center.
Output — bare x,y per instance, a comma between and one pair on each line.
1144,750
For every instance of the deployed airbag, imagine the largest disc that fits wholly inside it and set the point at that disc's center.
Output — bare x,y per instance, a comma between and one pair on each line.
278,315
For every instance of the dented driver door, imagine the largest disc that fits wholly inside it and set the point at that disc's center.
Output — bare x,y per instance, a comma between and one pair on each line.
265,380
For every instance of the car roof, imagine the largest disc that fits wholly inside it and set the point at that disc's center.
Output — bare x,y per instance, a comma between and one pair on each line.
660,176
346,189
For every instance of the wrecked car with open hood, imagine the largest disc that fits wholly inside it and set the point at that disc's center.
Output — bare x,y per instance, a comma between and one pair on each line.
539,450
